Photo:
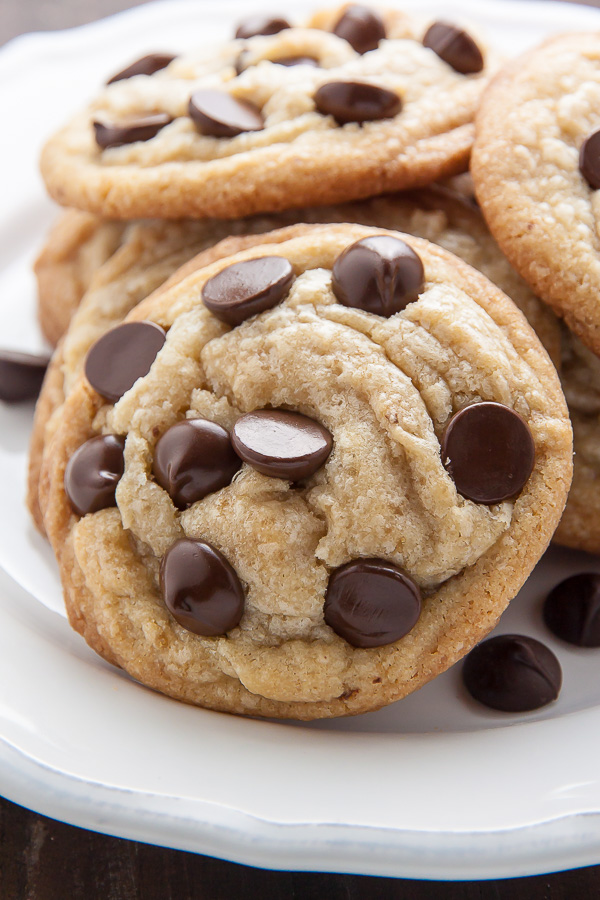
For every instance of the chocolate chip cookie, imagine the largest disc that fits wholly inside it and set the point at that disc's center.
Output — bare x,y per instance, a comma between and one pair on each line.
269,121
296,506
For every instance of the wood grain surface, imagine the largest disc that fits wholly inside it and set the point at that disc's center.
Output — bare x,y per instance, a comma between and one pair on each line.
41,859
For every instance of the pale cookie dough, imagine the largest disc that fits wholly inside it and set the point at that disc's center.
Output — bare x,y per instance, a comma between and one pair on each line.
386,389
531,125
300,156
151,252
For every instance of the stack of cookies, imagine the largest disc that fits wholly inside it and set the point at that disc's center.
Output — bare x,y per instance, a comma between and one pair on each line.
296,459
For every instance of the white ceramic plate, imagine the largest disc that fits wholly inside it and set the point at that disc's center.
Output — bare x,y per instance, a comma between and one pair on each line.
432,787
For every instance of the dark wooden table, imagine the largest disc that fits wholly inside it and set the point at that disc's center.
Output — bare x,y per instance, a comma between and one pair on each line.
41,859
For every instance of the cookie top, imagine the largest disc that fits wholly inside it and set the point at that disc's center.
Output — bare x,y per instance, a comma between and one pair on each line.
529,166
231,131
361,484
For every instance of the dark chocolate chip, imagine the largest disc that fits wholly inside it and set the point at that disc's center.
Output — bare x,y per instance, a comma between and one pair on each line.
261,25
247,288
281,444
201,589
455,47
193,459
142,129
489,451
379,274
121,356
93,472
21,375
512,673
296,61
361,27
572,610
589,160
147,65
371,602
356,101
218,114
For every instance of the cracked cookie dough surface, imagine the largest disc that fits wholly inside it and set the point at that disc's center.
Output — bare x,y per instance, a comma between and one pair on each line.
150,252
385,388
531,128
305,139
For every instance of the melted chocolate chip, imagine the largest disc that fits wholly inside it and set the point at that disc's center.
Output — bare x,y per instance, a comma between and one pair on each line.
261,25
296,61
455,47
201,589
121,356
247,288
193,459
488,451
21,375
281,444
361,27
589,160
572,610
218,114
379,274
147,65
512,673
371,602
142,129
356,101
93,472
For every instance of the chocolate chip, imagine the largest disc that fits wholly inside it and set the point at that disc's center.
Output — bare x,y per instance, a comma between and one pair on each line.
512,673
281,444
218,114
489,452
147,65
201,589
371,602
361,27
21,375
247,288
379,274
589,160
356,101
142,129
572,610
296,61
121,356
192,459
455,47
93,472
261,25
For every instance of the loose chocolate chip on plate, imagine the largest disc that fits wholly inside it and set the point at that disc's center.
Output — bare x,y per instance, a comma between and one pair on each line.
121,356
21,375
93,472
142,129
361,27
261,25
281,444
371,602
572,610
201,589
455,47
246,288
356,101
589,160
379,274
218,114
512,673
147,65
194,458
489,451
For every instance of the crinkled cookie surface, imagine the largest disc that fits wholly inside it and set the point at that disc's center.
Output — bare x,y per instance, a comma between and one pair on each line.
302,142
541,208
385,388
